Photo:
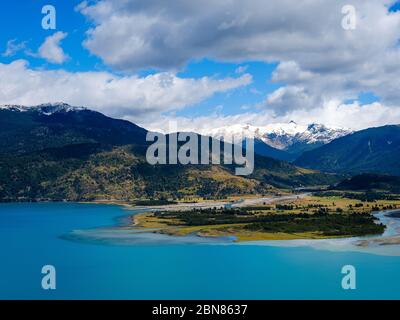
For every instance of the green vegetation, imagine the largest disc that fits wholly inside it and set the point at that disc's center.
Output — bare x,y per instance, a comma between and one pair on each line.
362,196
374,150
86,156
310,217
354,224
372,183
149,203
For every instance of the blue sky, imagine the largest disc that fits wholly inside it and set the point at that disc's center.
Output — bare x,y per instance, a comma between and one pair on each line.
240,99
22,21
215,61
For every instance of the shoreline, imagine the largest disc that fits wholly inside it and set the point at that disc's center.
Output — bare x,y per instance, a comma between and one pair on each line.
136,222
133,223
147,221
249,237
377,245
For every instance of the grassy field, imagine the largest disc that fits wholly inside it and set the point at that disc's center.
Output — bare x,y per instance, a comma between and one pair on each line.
150,222
318,218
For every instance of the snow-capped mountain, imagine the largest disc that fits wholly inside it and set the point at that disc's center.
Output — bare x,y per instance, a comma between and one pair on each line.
46,108
290,137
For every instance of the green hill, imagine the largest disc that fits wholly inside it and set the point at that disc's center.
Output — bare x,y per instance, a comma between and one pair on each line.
375,150
56,152
371,182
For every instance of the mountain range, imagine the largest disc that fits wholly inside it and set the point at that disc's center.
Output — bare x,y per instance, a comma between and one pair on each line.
373,150
59,152
284,141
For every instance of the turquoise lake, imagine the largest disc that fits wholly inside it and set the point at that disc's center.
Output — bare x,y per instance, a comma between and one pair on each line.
148,267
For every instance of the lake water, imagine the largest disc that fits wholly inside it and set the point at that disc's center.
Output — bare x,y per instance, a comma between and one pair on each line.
94,261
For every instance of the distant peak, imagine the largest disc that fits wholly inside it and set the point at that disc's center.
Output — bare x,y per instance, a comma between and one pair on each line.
50,108
53,104
315,125
283,135
44,108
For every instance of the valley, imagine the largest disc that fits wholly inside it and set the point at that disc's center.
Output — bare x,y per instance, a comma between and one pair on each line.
59,153
62,153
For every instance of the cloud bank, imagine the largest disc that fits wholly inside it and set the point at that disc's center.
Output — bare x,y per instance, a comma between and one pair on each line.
334,114
109,93
319,60
322,69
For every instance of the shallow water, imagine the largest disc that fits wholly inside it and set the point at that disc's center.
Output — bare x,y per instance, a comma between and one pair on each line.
103,262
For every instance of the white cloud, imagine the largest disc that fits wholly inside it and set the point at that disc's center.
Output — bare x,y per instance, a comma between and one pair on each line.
51,48
353,116
286,99
109,93
289,71
320,65
135,34
241,69
13,46
307,38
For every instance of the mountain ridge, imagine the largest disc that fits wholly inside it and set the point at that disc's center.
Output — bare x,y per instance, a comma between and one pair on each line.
373,150
45,108
282,141
83,155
